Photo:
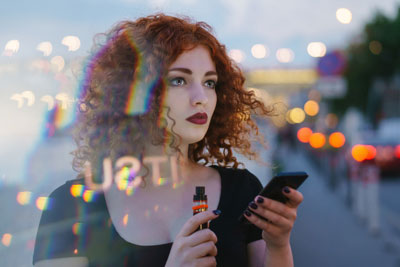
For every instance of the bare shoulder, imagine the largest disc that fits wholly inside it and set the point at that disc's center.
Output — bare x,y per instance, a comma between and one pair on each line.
67,262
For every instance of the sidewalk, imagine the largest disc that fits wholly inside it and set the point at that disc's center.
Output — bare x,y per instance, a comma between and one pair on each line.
326,232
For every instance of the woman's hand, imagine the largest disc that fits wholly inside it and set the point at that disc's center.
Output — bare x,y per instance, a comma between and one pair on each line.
275,218
192,248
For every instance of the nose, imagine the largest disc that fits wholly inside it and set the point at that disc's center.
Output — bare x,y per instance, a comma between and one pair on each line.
198,96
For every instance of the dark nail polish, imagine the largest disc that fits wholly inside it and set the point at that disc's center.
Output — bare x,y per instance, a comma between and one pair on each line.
248,213
253,205
217,212
286,189
260,200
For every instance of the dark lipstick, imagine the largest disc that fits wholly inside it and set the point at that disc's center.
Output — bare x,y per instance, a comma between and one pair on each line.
198,118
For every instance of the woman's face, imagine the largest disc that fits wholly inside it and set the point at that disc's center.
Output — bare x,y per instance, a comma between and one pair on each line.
191,95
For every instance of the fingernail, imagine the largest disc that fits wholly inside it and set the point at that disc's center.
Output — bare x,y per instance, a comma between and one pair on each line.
260,200
286,189
217,212
248,213
253,205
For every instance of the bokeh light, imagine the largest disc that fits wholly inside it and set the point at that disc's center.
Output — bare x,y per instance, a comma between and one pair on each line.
331,120
72,42
304,134
24,198
337,139
11,47
43,203
317,140
156,208
76,190
49,100
284,55
45,47
19,99
30,97
77,228
343,15
359,152
161,181
316,49
64,99
375,47
371,152
125,219
88,195
397,151
57,63
311,108
259,51
237,55
6,239
297,115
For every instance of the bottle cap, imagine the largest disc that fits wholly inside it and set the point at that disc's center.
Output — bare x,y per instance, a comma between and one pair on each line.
200,190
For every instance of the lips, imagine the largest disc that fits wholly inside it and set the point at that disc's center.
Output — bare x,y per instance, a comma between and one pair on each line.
198,118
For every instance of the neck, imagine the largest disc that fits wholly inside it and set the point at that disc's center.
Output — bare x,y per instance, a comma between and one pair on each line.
165,162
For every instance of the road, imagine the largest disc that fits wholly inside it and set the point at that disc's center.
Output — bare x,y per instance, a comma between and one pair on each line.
327,231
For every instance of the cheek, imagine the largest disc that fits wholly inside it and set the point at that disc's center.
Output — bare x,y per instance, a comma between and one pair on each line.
213,100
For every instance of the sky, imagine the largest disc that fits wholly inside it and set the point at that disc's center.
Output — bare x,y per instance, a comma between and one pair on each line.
238,24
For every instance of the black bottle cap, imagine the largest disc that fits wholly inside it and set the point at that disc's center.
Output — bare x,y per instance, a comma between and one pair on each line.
200,190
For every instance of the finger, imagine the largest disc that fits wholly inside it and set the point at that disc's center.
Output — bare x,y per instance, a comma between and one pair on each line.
201,236
261,223
271,217
295,197
203,249
209,261
274,206
193,223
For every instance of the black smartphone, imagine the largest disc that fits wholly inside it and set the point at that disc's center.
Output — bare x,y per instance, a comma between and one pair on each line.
273,189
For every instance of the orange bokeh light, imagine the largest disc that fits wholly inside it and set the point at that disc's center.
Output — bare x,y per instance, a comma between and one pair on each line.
337,139
311,108
359,152
317,140
397,151
371,152
303,134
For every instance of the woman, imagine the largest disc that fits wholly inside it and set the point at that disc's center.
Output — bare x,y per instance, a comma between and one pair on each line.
165,86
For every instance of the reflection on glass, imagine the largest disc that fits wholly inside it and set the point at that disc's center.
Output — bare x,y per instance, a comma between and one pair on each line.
11,47
72,42
45,47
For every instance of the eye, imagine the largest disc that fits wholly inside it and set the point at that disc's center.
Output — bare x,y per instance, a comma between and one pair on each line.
211,84
178,81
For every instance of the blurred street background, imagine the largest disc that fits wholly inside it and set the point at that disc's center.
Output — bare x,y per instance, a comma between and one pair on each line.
331,70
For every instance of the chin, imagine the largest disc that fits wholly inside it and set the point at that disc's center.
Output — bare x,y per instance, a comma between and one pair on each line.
192,138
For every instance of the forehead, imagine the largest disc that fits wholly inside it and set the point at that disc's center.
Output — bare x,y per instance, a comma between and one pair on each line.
197,58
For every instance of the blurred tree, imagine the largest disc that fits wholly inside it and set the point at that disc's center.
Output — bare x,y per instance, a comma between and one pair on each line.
374,58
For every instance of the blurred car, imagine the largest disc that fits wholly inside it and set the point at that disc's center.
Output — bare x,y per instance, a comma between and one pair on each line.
382,148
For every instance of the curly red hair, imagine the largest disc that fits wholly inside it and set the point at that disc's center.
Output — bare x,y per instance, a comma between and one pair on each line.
142,50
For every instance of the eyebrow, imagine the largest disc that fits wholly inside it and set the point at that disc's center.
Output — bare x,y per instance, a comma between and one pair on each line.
188,71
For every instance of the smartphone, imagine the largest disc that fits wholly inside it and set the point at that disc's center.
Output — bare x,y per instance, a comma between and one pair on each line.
273,189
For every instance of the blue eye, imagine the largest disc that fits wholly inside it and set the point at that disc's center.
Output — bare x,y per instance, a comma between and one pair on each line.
211,84
178,81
